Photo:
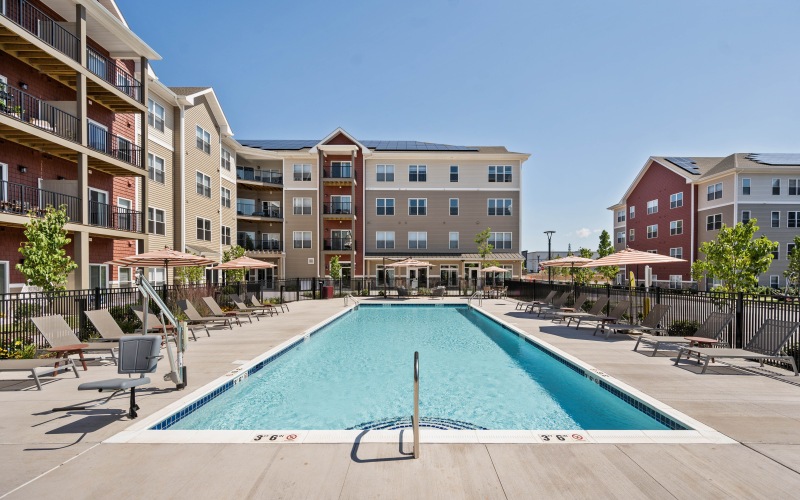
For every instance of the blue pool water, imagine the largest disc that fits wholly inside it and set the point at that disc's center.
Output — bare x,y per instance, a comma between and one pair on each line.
357,373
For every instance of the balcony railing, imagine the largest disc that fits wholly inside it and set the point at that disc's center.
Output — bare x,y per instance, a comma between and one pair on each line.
338,207
265,176
340,244
21,200
109,71
24,107
340,172
115,146
41,26
249,211
261,246
114,217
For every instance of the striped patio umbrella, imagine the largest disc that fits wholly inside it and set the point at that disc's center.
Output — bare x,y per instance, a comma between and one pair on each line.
163,258
630,256
245,262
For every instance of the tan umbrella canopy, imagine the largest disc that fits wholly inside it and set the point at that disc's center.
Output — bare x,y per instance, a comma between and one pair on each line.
245,262
410,262
163,258
568,261
630,256
494,269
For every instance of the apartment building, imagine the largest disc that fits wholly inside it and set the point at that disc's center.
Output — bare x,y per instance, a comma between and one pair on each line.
676,203
375,202
72,97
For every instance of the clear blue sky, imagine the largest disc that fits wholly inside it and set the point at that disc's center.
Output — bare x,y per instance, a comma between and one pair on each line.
589,88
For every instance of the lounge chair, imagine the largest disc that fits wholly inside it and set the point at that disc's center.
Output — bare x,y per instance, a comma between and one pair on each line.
712,328
256,310
437,293
137,354
613,317
596,310
63,341
527,305
575,307
105,324
38,366
650,324
402,292
257,303
556,305
194,317
217,311
767,343
154,324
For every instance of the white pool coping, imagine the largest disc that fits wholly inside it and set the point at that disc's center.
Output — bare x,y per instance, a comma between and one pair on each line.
140,431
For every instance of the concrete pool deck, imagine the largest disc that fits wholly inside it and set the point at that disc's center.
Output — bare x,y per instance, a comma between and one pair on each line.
49,455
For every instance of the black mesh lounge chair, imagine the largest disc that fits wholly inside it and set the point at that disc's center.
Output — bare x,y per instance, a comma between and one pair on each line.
712,328
767,343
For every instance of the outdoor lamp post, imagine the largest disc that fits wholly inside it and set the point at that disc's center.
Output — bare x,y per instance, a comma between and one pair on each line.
549,256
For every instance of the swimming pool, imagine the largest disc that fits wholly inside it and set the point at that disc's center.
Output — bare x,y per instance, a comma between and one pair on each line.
355,373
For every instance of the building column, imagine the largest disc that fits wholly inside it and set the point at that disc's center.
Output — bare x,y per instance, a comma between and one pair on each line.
179,181
144,128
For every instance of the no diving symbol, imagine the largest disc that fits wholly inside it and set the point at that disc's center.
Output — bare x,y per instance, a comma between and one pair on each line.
577,437
291,437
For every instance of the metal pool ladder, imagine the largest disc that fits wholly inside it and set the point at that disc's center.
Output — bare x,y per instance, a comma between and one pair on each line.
478,295
415,418
350,296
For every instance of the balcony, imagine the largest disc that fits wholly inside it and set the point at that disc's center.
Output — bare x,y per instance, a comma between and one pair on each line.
109,71
29,109
338,210
114,146
114,217
42,26
260,246
345,244
338,175
259,179
249,211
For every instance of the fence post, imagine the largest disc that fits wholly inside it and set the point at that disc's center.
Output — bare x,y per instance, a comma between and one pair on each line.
98,303
533,297
283,287
165,294
297,290
608,296
739,320
82,321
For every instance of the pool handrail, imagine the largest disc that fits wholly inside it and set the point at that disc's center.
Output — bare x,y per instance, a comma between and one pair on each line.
479,295
350,296
415,421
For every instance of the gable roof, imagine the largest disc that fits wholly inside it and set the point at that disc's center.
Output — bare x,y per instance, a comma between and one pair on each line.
187,95
703,164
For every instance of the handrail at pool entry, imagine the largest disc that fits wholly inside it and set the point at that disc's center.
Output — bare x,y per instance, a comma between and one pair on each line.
416,404
350,296
478,295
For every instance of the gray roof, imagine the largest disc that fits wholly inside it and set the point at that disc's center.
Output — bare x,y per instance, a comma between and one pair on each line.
461,256
188,90
703,164
376,145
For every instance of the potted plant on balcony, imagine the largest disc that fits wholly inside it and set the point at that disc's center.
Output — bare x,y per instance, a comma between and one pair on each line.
16,112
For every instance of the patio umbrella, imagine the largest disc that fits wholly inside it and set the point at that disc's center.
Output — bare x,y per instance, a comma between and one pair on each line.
493,269
409,262
245,263
571,261
163,258
629,256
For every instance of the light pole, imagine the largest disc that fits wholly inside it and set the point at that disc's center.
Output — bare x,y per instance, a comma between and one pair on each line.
549,256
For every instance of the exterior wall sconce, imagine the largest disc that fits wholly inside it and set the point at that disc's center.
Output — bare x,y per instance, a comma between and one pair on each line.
23,85
22,169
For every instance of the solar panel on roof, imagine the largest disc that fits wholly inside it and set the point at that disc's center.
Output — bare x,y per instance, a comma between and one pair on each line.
297,144
685,163
775,158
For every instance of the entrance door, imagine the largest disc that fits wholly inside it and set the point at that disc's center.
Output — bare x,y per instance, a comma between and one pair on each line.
341,240
98,207
471,273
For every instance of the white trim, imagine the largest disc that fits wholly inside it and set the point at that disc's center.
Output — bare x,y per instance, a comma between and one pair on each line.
437,189
8,274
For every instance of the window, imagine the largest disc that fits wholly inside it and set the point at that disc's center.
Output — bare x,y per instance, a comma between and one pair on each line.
157,275
631,212
652,231
155,115
203,229
500,206
499,173
301,239
714,222
417,206
384,239
417,173
776,187
417,239
675,280
225,197
774,281
124,149
155,165
245,206
453,173
620,215
203,185
502,241
676,200
453,206
203,140
98,275
632,235
746,187
745,216
98,137
715,191
302,172
225,159
453,240
226,235
789,250
676,227
155,221
125,276
794,187
792,219
385,173
776,254
776,219
621,237
676,252
385,206
302,206
652,207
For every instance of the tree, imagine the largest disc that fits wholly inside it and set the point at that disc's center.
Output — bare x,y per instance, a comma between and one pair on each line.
189,274
484,247
46,263
583,274
792,272
234,252
735,258
604,249
335,268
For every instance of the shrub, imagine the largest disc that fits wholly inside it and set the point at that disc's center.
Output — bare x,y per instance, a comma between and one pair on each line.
793,350
683,328
587,305
17,349
365,292
24,311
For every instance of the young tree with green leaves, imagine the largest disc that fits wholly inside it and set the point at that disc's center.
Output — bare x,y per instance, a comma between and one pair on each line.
583,274
46,263
484,247
735,258
792,272
335,268
604,249
189,275
234,252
